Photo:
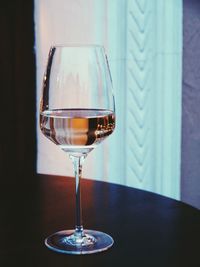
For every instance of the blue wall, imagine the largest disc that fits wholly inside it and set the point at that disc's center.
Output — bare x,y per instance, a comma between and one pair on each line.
190,165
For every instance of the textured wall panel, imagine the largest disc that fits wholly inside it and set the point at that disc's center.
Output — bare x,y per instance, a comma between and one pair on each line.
153,98
138,82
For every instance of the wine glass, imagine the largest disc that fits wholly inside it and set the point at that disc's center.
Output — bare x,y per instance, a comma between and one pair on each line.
77,112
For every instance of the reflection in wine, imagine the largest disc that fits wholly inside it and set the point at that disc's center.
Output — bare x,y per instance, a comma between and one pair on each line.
74,129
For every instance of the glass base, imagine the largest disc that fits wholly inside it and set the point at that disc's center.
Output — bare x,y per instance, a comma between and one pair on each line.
90,242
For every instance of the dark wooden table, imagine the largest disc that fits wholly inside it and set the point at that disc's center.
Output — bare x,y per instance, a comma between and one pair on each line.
148,229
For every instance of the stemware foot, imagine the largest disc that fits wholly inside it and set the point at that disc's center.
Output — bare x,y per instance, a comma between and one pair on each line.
67,242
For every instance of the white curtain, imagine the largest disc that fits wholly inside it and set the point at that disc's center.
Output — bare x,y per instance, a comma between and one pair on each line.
67,21
143,40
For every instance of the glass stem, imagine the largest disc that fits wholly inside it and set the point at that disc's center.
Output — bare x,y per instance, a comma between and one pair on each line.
78,162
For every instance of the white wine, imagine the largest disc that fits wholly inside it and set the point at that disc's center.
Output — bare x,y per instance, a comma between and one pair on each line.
77,129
